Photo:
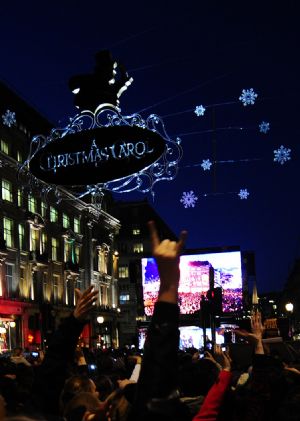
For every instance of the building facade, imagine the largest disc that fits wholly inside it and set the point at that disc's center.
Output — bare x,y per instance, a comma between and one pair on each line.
50,244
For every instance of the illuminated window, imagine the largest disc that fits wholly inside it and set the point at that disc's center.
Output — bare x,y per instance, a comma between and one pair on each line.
138,248
7,190
4,146
55,288
8,225
77,254
19,198
19,156
124,298
43,209
123,272
54,248
32,204
136,231
21,231
66,221
53,214
44,242
45,287
34,240
68,251
76,225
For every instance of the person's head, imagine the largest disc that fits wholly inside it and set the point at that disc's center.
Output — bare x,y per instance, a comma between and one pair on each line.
75,385
17,352
84,406
197,377
104,386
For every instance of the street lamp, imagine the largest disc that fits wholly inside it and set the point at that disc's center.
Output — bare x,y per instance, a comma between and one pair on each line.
289,308
100,319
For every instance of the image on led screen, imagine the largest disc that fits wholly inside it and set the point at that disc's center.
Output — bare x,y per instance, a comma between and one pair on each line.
195,273
190,337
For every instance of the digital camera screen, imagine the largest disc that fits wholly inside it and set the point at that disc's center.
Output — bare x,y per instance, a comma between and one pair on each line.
195,274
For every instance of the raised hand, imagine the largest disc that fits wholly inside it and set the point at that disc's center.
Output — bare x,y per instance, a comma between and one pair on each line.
222,358
84,302
256,334
166,254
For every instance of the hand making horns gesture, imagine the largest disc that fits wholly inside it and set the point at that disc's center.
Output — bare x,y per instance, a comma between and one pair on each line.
166,254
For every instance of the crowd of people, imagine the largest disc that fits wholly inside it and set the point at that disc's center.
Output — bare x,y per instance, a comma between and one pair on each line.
162,383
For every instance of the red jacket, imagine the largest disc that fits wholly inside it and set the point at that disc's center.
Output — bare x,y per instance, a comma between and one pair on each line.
211,405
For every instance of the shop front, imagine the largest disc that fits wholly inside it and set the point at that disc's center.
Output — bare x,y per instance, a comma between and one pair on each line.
13,325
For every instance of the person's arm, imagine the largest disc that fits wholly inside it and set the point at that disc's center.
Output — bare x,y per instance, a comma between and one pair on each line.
53,371
137,368
213,401
158,377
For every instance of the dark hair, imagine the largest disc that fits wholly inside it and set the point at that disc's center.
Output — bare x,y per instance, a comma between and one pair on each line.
197,377
79,404
73,386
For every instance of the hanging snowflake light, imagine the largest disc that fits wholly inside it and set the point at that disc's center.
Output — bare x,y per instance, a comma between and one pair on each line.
243,194
9,118
264,127
188,199
206,164
248,97
199,110
282,155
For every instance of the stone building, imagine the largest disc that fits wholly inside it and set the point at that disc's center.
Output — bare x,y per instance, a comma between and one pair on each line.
50,244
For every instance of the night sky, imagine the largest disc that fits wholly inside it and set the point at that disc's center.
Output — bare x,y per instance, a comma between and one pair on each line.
183,54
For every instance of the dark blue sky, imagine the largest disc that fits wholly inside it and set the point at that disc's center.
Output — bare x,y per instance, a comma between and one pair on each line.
183,54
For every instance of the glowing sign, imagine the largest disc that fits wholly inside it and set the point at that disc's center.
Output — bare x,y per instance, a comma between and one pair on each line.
97,156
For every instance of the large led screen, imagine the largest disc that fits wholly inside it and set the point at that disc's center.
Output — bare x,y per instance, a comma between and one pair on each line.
196,270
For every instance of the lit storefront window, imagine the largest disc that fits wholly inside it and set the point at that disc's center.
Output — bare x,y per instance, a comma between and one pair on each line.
8,333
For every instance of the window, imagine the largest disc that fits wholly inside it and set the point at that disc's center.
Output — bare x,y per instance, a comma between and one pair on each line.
66,221
55,288
4,146
45,287
77,254
8,231
68,251
20,198
43,209
19,156
44,242
77,225
54,248
136,231
124,298
53,214
32,204
9,278
138,248
11,284
7,190
123,272
34,239
21,231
